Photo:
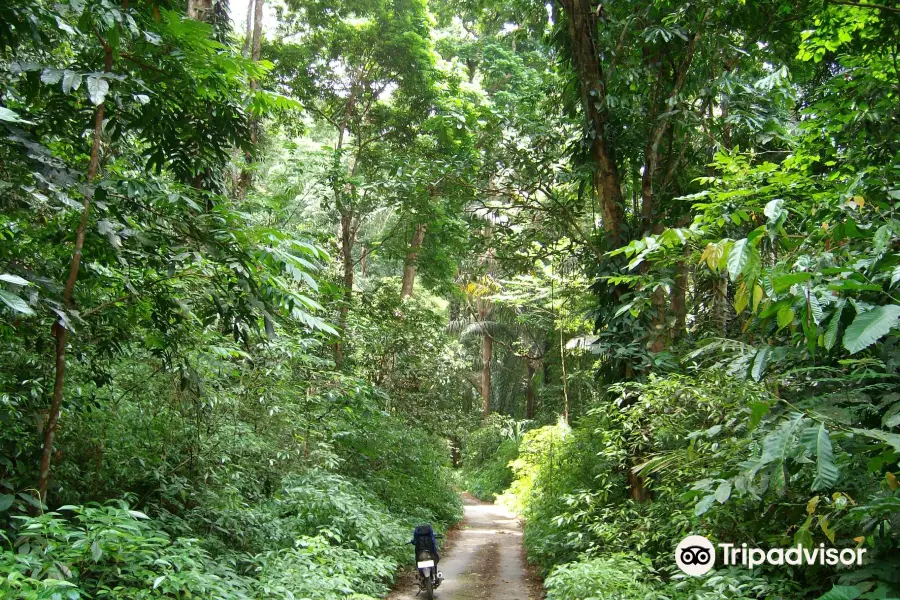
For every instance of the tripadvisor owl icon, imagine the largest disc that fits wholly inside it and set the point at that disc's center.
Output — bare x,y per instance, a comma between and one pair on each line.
695,555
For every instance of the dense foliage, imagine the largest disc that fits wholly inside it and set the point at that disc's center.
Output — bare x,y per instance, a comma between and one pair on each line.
632,267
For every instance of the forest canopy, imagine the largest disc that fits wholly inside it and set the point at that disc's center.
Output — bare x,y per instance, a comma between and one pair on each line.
274,292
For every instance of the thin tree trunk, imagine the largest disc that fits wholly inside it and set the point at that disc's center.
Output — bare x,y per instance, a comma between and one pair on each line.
248,33
721,303
256,7
257,30
565,389
487,352
409,268
679,297
529,389
59,331
347,236
346,233
363,259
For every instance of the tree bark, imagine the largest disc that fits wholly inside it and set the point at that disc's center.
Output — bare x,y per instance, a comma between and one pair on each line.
59,330
200,10
586,60
363,259
347,237
636,487
679,297
256,6
487,353
257,29
409,267
529,389
346,232
248,33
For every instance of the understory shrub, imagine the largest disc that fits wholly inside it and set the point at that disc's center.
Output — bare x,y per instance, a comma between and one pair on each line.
614,577
641,471
488,453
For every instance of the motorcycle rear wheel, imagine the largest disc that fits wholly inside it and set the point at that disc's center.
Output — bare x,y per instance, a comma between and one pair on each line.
429,590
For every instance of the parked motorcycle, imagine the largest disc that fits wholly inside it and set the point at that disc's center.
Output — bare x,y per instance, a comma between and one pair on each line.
425,542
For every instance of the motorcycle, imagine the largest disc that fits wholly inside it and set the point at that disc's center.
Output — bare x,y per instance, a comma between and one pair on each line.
425,543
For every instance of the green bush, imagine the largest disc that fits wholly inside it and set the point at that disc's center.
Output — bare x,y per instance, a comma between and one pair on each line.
493,476
613,577
110,552
487,455
318,570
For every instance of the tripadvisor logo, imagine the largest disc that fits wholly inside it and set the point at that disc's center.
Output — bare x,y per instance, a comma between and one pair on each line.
695,555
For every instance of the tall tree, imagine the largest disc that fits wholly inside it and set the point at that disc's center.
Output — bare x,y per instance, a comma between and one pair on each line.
374,87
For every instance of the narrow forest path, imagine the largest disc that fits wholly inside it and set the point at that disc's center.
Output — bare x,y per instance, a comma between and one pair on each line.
483,559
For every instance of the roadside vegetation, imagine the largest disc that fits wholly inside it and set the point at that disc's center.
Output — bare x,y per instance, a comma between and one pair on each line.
272,293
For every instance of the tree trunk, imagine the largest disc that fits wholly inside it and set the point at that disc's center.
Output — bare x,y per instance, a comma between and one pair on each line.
256,53
347,238
636,487
487,352
346,232
721,303
200,10
248,33
529,389
59,331
409,268
363,259
257,29
586,60
565,386
679,297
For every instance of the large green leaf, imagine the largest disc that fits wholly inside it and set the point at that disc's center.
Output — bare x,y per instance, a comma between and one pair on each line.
869,327
11,117
759,363
831,333
743,258
15,303
827,472
97,89
892,439
841,592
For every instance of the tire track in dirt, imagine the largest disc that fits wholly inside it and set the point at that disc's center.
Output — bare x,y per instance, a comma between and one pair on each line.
483,560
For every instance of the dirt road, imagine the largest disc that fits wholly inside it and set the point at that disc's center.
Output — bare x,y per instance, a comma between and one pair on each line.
482,561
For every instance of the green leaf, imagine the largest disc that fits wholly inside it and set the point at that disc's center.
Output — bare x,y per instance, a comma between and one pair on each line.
11,117
97,89
757,411
723,492
741,298
15,303
831,333
757,296
869,327
841,592
760,361
51,76
96,551
14,279
704,504
784,282
785,317
71,81
892,439
6,500
775,215
826,471
739,258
